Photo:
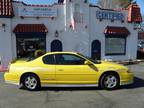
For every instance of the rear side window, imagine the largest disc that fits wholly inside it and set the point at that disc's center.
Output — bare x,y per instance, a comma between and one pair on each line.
48,59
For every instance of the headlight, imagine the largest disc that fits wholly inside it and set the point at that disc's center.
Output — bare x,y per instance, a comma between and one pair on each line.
128,71
122,70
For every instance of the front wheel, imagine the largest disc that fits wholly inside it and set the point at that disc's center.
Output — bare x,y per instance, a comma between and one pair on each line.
109,81
31,82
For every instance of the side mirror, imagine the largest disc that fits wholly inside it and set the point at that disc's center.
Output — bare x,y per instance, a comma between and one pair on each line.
87,63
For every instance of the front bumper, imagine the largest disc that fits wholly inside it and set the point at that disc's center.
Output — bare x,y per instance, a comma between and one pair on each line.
127,78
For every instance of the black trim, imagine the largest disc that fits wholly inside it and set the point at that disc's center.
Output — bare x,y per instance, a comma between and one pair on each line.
6,16
116,54
116,35
30,35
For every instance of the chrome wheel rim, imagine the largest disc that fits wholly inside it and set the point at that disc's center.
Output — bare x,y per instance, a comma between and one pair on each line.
31,82
110,81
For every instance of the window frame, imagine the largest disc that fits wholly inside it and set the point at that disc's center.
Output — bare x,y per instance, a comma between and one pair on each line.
53,59
115,54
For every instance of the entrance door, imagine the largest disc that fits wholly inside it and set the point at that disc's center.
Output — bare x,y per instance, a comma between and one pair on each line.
96,50
56,45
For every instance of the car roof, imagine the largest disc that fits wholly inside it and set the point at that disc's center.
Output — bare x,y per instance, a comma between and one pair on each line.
61,53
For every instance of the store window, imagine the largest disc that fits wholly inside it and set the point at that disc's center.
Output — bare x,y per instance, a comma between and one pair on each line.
115,45
27,47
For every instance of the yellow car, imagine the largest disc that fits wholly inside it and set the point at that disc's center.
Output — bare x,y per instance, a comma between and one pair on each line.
62,69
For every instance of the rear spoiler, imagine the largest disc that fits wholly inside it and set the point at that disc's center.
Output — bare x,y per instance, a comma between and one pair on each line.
13,61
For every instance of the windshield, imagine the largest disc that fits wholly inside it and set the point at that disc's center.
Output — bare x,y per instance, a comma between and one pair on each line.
90,59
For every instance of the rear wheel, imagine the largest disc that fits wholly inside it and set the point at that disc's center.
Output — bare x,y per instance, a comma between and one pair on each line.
31,82
109,81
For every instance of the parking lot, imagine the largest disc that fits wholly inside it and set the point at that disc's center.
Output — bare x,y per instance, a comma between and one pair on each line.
126,97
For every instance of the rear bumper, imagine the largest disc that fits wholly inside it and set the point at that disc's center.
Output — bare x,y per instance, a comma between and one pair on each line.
127,78
11,78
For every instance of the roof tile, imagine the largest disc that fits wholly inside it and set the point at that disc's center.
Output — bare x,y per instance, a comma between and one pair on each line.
20,28
6,9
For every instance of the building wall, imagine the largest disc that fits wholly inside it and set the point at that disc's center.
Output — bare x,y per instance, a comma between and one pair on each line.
5,41
78,40
73,40
97,28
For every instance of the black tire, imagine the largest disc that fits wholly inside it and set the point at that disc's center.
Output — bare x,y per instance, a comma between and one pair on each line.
31,82
110,81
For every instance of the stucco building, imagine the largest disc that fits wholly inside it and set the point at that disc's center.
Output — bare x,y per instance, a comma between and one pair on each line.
71,25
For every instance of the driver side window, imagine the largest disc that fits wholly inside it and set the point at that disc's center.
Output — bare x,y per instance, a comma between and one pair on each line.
68,59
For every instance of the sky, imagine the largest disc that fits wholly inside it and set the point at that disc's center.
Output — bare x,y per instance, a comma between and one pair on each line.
140,2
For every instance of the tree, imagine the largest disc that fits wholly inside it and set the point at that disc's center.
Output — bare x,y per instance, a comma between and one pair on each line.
110,4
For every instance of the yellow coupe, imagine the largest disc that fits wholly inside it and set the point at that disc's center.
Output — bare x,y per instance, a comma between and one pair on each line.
63,69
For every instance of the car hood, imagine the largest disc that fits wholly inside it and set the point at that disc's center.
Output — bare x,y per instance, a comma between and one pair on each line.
111,66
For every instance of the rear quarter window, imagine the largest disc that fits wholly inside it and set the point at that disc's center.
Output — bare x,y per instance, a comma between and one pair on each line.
48,59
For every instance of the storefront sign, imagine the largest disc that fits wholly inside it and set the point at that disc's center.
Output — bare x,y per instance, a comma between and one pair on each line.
29,11
109,15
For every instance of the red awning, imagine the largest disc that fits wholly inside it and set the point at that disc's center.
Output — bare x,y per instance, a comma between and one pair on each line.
28,28
121,31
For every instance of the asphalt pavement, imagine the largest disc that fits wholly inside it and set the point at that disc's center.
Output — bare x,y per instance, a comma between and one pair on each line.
126,97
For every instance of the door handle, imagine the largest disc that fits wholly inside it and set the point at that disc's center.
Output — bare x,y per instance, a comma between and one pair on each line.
60,70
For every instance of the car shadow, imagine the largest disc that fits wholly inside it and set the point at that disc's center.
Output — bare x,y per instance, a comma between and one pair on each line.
69,88
138,83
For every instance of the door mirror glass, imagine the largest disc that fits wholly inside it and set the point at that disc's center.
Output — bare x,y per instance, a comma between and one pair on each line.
87,63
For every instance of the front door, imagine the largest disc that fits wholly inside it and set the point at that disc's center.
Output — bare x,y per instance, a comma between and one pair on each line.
70,69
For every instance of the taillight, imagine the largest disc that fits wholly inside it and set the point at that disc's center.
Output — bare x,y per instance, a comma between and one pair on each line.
14,60
3,69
